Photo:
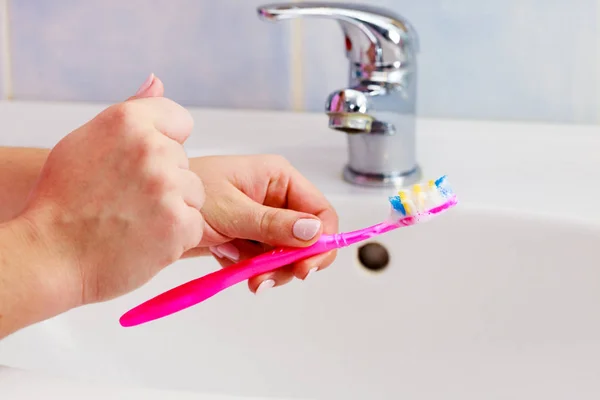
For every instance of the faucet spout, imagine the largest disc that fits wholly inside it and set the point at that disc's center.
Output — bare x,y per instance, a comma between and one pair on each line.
347,111
377,109
379,122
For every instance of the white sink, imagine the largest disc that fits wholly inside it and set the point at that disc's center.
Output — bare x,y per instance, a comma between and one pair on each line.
497,298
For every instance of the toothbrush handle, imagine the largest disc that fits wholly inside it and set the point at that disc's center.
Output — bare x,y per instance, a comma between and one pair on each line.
200,289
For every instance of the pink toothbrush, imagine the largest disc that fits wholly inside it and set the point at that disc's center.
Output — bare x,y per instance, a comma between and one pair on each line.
408,208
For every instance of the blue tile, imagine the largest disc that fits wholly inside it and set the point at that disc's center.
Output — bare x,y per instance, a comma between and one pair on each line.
208,53
497,59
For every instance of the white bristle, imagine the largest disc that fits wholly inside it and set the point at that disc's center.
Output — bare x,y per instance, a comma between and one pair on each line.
421,198
434,197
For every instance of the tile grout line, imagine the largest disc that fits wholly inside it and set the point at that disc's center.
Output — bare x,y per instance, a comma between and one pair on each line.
6,53
296,70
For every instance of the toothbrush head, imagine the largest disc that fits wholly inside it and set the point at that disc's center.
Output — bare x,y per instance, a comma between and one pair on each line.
423,199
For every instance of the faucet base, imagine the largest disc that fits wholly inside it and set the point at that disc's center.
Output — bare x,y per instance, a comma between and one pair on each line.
397,180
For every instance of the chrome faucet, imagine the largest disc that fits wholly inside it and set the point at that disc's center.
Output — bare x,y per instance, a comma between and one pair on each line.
377,109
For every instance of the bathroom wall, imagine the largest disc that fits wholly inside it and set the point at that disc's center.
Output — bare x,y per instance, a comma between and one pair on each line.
534,60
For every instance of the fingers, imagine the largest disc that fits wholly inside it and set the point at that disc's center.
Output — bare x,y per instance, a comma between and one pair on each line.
168,117
254,221
171,151
279,277
179,129
194,228
191,188
281,227
197,252
231,252
288,189
164,115
303,268
295,213
152,87
303,196
190,184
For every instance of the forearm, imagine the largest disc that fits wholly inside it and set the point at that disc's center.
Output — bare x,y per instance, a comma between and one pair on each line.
34,284
19,170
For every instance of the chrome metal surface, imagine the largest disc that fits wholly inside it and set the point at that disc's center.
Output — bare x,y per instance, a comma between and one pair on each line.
382,180
377,109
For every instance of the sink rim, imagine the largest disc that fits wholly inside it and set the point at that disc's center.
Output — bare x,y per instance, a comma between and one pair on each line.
513,164
479,190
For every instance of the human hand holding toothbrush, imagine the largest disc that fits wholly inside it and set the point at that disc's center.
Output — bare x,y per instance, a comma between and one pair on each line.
262,198
255,203
117,200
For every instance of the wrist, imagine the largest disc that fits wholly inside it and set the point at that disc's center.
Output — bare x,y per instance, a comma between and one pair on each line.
37,281
59,268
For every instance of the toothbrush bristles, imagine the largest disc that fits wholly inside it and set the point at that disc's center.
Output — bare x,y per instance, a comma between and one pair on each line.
422,199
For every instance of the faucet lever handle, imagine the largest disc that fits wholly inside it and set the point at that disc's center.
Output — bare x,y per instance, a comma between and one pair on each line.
374,36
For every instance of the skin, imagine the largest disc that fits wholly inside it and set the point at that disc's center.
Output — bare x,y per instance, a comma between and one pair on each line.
260,198
78,230
133,193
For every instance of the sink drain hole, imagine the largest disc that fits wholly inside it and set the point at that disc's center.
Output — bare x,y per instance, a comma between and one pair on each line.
373,256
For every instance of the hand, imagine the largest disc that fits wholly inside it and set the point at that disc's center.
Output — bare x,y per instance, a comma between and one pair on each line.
265,200
255,203
116,199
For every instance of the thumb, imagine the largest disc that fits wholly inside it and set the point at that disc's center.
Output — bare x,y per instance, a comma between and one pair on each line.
274,226
283,227
152,87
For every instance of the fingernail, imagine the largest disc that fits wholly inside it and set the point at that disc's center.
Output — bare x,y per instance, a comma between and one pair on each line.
264,285
306,229
226,250
146,85
215,251
311,272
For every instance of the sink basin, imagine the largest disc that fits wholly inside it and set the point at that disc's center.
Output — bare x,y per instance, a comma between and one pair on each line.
497,298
